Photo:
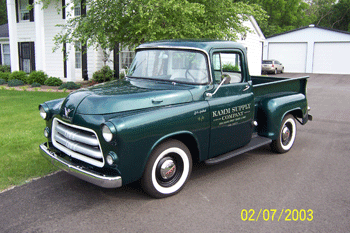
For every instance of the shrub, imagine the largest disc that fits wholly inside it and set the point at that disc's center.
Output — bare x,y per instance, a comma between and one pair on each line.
69,86
2,81
5,69
36,84
53,81
5,75
103,75
230,68
37,77
15,83
121,75
20,75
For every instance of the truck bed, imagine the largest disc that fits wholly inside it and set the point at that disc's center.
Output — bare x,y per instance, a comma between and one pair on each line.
272,86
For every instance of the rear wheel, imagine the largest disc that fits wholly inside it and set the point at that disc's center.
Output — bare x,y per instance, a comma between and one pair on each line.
167,170
286,136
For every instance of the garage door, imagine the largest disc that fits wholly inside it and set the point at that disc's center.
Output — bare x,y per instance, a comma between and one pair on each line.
291,55
331,58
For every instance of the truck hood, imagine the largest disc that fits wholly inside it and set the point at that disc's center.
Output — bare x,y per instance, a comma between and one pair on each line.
124,95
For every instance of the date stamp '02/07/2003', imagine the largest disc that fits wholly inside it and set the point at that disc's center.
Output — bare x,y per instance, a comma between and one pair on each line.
276,215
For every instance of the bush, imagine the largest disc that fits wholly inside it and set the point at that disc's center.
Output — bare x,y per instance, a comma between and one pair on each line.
230,68
15,83
19,75
36,84
103,75
37,77
5,69
69,86
2,81
5,75
53,81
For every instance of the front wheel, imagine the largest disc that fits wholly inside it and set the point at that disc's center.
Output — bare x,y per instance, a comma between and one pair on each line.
167,170
286,136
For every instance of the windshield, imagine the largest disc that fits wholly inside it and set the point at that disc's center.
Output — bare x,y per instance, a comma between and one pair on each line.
170,65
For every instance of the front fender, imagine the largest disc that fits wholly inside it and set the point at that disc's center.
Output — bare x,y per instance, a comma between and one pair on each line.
139,133
271,112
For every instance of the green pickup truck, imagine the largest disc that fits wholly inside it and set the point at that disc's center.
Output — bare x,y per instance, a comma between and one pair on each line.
181,102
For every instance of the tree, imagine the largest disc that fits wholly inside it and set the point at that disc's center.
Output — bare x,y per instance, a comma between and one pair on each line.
332,13
131,22
3,12
283,15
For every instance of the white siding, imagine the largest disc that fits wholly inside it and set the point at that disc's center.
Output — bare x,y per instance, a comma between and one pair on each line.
253,42
53,60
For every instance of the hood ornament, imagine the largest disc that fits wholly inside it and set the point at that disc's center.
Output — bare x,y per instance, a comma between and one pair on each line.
66,112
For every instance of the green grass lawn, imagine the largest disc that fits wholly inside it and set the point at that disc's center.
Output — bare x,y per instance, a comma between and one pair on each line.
21,133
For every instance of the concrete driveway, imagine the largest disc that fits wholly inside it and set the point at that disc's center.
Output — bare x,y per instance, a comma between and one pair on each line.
307,189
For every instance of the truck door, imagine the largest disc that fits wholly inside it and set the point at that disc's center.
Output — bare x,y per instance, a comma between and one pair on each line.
232,106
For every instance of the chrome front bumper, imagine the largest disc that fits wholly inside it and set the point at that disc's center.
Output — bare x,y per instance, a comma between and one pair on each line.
80,172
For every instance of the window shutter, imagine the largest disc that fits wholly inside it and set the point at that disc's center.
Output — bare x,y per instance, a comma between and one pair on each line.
31,12
83,7
20,56
84,68
0,56
116,61
17,9
32,56
63,9
64,60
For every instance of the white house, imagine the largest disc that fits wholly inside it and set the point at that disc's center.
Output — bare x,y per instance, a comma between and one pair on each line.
253,41
4,45
311,49
31,34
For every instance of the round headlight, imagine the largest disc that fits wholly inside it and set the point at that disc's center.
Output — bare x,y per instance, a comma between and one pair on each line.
106,133
43,114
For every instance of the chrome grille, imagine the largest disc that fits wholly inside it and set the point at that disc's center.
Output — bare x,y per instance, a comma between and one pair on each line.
78,142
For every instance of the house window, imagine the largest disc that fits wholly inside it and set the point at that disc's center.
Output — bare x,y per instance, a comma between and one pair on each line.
126,58
77,9
78,55
26,56
23,10
6,60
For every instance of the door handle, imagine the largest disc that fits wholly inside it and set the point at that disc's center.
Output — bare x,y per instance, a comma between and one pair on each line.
246,87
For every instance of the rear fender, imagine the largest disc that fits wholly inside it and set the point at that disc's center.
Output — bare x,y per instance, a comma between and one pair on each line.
271,112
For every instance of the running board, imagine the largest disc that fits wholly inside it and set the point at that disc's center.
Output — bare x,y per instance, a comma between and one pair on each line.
253,144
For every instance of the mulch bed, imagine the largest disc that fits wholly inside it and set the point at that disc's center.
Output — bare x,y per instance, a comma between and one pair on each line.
41,88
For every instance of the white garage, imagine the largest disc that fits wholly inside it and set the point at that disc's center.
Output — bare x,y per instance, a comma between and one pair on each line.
310,50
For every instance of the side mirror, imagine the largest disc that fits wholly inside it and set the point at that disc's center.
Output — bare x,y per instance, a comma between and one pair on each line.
216,90
227,78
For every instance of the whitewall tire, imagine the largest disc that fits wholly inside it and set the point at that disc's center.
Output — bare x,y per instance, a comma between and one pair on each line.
286,136
167,170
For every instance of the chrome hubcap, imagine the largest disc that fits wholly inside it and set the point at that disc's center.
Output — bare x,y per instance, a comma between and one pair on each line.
168,169
285,134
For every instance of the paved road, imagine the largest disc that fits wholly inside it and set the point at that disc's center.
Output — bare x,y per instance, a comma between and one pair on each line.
314,175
